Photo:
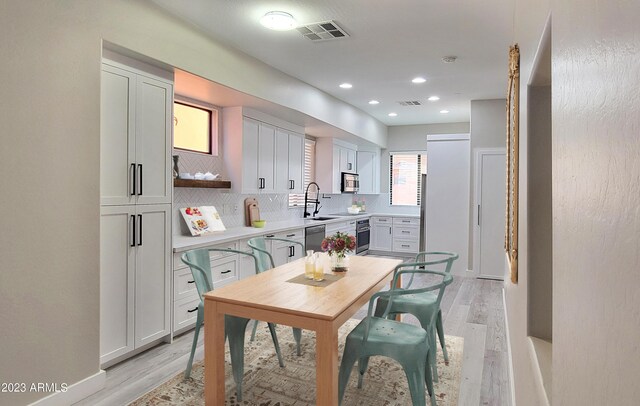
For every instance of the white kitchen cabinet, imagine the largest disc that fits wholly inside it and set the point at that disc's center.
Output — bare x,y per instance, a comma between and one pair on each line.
381,237
369,172
135,138
257,160
332,158
289,162
135,263
284,252
262,153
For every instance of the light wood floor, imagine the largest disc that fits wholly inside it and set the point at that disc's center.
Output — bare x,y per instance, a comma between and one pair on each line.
472,308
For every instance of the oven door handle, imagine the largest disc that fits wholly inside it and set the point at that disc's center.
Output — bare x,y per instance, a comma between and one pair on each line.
362,230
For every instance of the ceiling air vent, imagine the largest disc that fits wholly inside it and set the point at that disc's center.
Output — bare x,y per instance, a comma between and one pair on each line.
323,31
410,103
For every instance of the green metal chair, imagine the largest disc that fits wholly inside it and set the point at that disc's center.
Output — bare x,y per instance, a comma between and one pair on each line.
425,306
265,262
405,343
199,262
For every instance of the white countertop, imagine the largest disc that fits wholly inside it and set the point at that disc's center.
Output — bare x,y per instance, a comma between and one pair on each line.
183,243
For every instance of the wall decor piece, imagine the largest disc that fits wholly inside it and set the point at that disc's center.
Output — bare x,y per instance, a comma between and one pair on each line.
513,121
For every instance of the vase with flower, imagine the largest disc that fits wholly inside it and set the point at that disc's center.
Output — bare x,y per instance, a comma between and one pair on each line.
338,246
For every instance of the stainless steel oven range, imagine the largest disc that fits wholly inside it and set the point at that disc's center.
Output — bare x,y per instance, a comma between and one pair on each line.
363,235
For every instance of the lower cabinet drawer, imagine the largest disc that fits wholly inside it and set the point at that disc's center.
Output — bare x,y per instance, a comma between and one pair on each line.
183,284
408,233
224,269
406,221
405,246
185,312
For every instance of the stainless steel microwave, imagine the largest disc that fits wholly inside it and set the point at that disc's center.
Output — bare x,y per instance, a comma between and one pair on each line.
350,183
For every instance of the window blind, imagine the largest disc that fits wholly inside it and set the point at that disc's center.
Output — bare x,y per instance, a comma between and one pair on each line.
297,199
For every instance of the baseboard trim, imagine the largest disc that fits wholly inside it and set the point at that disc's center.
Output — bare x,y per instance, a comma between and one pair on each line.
76,392
509,356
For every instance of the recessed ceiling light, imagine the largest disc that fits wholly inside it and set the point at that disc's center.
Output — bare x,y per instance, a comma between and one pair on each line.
418,80
374,102
393,114
444,111
278,20
346,85
433,98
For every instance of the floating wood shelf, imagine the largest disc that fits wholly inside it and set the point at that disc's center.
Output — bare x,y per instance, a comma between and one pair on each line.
216,184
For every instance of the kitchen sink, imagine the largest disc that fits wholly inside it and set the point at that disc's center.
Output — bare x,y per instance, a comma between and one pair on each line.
320,218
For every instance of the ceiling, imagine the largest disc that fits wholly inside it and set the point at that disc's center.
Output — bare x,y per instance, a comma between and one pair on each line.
389,43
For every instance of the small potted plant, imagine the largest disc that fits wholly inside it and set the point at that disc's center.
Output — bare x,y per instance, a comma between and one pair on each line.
338,246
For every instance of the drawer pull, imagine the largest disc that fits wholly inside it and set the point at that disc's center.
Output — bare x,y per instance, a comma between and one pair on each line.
405,232
192,310
270,235
406,221
227,271
405,245
291,235
191,282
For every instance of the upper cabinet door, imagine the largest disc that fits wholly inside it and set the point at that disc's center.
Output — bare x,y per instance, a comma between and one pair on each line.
282,182
368,171
351,160
153,141
266,155
250,181
117,136
296,163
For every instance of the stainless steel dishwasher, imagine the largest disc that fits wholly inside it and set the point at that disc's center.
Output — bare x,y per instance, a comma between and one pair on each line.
313,237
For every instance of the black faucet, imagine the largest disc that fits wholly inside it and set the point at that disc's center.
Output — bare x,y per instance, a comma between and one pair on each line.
306,200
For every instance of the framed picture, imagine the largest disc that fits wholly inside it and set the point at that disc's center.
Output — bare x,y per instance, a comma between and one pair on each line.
513,106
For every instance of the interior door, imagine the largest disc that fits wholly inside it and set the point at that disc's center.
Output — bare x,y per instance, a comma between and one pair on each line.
489,216
447,196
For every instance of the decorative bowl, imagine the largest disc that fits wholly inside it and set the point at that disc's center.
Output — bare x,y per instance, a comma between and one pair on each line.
259,223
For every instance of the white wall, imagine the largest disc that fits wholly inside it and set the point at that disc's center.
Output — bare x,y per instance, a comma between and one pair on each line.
596,204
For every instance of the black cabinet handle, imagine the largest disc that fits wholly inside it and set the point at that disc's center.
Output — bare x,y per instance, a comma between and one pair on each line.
192,310
140,232
227,271
405,232
133,231
191,282
389,231
140,174
293,184
406,221
270,235
478,214
404,245
290,235
133,179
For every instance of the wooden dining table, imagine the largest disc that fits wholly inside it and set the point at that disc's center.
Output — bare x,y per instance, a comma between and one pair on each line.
272,296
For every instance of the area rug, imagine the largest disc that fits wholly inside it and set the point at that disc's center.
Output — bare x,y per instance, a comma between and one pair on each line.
265,383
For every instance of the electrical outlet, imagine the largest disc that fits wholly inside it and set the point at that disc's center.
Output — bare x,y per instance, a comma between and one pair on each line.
235,209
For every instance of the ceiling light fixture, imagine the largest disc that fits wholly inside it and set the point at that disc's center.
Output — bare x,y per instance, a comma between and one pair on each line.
346,85
418,80
433,98
444,111
393,114
374,102
278,20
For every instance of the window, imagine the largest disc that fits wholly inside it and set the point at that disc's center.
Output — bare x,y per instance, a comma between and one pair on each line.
195,127
297,199
405,169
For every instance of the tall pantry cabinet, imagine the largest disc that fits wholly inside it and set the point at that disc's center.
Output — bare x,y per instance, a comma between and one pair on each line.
135,213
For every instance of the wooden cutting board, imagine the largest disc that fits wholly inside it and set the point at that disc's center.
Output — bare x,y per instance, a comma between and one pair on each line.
251,211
